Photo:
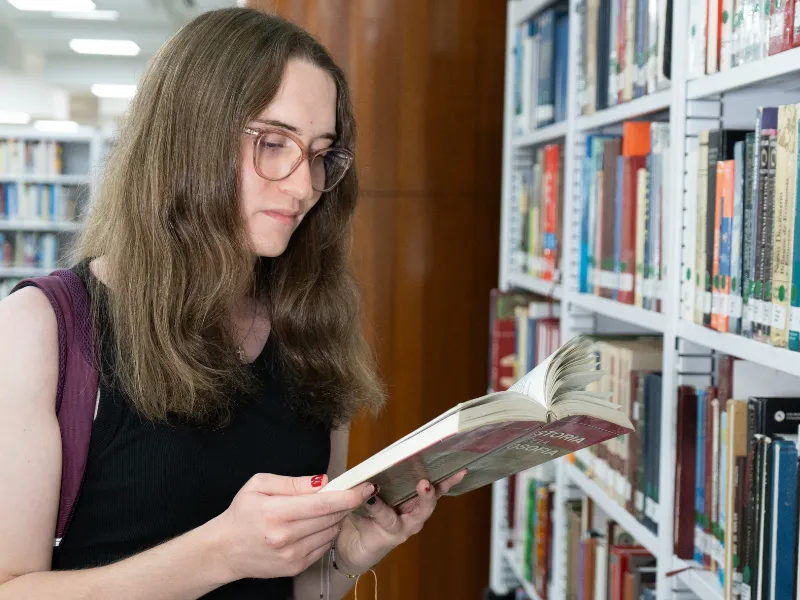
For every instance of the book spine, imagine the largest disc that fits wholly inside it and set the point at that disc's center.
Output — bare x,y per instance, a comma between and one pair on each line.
642,198
715,143
726,37
715,275
769,223
735,280
782,518
551,209
618,226
788,24
776,22
703,300
783,229
713,35
747,235
651,53
794,312
699,488
726,239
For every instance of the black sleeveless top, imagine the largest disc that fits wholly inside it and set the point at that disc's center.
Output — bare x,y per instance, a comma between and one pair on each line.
146,483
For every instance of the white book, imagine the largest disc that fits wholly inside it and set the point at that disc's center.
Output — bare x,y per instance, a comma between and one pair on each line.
726,49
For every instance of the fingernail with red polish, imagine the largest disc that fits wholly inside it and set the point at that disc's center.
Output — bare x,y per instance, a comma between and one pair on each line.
427,488
316,480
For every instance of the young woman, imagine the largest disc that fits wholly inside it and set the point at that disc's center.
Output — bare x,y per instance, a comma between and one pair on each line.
228,326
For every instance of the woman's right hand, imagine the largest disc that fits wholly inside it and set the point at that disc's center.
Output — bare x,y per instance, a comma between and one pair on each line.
279,526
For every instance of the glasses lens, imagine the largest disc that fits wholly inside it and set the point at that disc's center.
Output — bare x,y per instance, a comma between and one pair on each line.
276,155
328,169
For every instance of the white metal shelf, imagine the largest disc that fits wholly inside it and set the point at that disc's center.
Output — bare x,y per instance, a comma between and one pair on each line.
511,561
535,285
24,132
741,347
652,103
701,582
45,179
22,272
773,70
611,508
541,136
39,225
525,9
626,313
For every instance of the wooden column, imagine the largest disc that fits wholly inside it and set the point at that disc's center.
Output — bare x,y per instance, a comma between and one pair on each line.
427,78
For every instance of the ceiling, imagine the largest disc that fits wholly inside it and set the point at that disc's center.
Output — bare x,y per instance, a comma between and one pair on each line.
36,44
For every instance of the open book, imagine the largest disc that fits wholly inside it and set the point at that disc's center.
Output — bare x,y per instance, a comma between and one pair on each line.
546,414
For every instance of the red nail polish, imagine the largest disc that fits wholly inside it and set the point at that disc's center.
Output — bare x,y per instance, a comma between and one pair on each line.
427,488
316,480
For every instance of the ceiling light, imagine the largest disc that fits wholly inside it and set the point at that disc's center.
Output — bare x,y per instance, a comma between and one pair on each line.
93,15
107,90
51,5
9,117
56,126
111,47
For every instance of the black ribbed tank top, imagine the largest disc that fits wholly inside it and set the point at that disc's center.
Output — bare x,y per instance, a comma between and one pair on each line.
146,483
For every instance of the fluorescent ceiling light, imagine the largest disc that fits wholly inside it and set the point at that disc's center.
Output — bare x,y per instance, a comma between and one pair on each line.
56,126
93,15
51,5
107,90
10,117
110,47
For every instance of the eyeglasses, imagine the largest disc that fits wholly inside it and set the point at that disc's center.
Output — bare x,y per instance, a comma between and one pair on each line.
277,153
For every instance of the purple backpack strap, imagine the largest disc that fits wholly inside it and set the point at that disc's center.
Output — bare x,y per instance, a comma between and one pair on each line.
78,379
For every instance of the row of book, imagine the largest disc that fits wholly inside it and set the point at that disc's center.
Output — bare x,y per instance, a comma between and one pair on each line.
724,34
627,468
623,216
531,526
539,189
604,560
541,59
21,249
30,157
525,330
737,481
38,202
746,257
625,51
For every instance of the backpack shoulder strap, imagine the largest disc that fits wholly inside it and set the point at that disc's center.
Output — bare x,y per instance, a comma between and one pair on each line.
78,377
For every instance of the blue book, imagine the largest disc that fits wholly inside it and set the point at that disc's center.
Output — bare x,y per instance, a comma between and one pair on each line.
618,225
783,482
735,301
561,63
700,479
640,50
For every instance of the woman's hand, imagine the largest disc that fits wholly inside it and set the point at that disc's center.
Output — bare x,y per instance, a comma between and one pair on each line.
279,526
364,541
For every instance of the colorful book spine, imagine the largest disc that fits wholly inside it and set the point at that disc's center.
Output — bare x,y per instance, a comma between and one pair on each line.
735,297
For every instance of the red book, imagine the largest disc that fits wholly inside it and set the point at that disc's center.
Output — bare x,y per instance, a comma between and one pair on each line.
627,256
551,164
620,559
775,26
788,25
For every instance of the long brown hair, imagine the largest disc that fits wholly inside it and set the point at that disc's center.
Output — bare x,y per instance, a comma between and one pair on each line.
168,226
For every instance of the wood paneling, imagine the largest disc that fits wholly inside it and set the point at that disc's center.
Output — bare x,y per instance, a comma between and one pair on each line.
427,80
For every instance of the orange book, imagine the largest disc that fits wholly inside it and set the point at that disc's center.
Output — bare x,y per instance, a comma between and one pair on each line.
716,297
636,138
726,231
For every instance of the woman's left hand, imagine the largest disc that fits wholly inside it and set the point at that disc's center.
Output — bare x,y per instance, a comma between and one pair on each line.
364,541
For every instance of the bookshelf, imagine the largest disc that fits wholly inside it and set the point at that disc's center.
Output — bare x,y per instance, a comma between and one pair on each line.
47,181
726,99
